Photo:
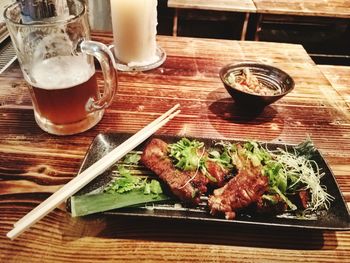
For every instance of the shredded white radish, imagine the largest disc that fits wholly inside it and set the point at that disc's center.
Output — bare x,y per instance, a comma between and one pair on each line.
308,173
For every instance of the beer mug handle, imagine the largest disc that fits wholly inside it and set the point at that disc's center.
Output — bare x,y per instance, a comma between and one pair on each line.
106,60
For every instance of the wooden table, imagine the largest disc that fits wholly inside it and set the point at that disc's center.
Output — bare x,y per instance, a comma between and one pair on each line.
246,6
33,164
338,76
326,8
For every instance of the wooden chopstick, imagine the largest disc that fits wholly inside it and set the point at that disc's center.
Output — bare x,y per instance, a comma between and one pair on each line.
128,141
89,174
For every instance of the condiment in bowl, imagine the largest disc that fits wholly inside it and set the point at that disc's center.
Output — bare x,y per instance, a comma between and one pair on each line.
255,85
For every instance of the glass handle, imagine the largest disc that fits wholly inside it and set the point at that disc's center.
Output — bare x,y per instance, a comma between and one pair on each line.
106,60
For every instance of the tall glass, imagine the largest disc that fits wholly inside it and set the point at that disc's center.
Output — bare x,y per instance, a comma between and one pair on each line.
134,25
56,58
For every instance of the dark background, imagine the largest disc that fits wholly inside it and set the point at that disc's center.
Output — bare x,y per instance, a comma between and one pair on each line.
327,40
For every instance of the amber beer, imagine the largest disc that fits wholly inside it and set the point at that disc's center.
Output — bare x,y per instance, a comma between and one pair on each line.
56,56
63,88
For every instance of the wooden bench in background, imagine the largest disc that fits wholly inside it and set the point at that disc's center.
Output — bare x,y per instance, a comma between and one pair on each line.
309,8
246,6
325,8
323,27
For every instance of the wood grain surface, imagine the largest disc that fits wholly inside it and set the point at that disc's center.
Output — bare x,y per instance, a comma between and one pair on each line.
33,164
327,8
217,5
339,77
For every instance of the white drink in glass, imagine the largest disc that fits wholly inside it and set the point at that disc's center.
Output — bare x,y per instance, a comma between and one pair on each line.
134,30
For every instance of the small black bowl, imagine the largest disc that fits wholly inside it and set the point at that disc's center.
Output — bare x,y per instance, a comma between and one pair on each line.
268,75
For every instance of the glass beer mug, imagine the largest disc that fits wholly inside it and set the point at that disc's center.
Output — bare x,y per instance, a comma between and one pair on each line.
56,58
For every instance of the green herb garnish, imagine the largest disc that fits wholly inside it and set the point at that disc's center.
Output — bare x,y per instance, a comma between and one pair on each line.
187,154
306,148
221,157
287,171
124,190
132,158
303,174
125,182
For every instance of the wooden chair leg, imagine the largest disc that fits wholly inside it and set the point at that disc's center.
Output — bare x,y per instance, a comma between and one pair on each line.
175,22
258,27
244,27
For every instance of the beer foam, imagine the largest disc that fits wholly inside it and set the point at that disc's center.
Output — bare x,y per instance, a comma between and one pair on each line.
61,72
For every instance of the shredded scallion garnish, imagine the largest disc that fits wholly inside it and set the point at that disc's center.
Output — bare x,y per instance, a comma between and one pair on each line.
188,155
288,171
306,174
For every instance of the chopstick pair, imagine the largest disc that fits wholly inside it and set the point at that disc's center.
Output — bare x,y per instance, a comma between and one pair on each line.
90,173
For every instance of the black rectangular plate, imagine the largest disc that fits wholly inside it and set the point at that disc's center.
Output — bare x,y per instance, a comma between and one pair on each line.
336,218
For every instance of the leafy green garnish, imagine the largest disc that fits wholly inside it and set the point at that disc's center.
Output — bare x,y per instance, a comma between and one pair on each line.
186,154
303,173
125,182
222,158
277,178
88,204
132,158
260,157
306,148
290,171
124,190
256,153
155,187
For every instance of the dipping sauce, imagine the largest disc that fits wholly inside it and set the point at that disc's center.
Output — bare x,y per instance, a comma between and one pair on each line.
249,83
